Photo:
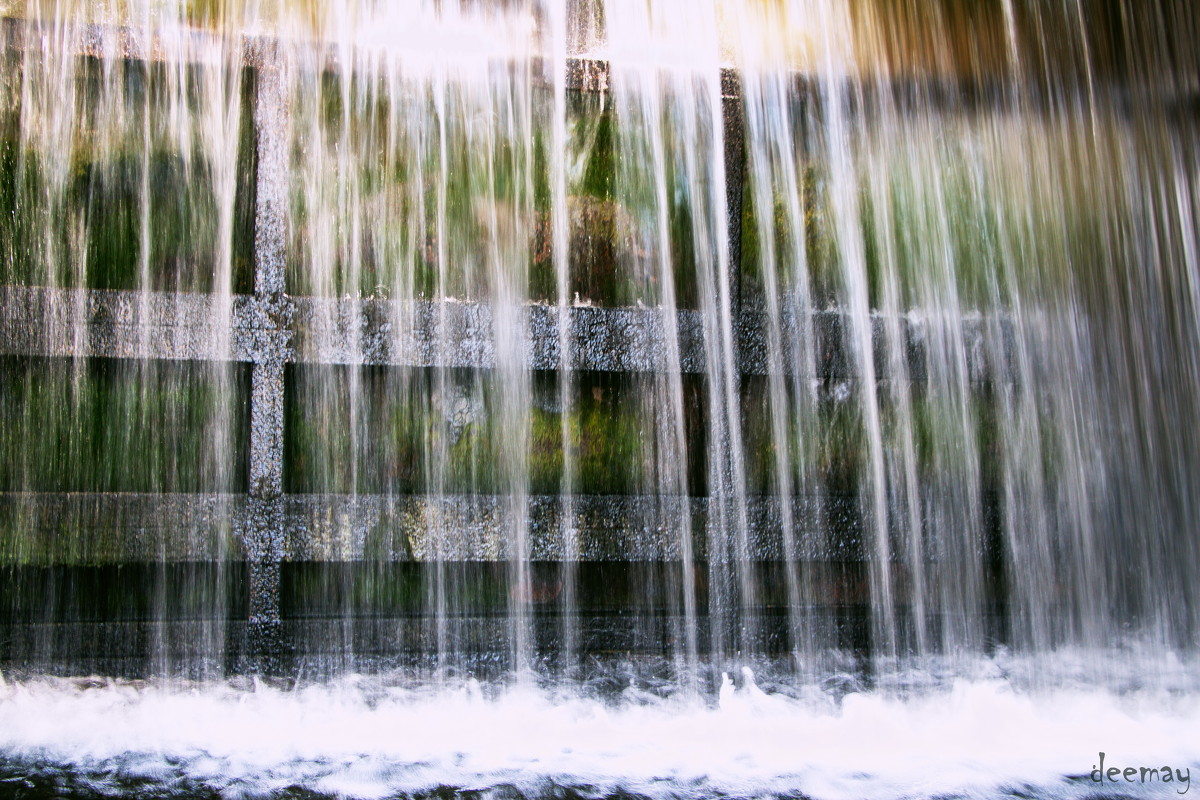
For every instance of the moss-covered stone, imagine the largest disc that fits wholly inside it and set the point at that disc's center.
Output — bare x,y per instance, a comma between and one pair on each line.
87,228
599,177
117,426
411,439
820,256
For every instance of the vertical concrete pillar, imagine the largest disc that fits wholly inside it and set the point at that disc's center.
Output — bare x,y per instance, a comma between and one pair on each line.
734,117
271,321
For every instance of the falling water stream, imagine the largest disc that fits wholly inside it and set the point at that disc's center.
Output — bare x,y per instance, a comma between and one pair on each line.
604,398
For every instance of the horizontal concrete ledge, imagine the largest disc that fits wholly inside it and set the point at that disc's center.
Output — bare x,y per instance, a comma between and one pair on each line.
620,528
131,649
314,648
463,334
247,328
127,324
100,528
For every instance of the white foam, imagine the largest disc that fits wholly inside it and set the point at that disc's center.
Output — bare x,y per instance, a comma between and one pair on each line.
363,738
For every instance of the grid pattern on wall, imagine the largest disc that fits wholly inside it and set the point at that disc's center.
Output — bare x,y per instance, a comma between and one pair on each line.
271,330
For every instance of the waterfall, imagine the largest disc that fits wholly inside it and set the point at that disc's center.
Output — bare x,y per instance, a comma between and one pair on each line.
677,358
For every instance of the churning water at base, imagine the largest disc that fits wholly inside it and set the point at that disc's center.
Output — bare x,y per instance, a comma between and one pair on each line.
618,735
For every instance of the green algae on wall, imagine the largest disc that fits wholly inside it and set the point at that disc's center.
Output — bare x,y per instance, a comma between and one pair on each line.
85,217
410,434
108,425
